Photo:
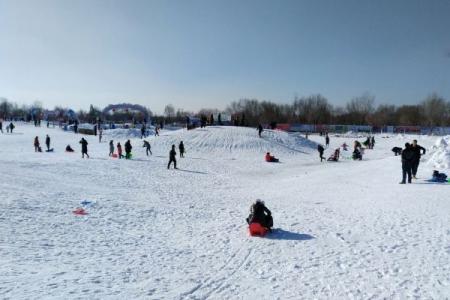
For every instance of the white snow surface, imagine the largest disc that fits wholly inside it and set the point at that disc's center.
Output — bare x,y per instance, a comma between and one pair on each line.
344,230
440,154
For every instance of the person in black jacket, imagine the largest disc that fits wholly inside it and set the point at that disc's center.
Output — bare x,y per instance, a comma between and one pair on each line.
172,158
148,148
327,140
259,213
260,130
1,126
128,148
84,149
320,149
181,148
407,163
417,149
47,142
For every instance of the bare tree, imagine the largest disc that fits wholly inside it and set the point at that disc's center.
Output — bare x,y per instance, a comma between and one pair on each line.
435,110
169,111
359,108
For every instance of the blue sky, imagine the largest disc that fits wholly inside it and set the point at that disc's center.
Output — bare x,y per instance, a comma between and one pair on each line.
197,54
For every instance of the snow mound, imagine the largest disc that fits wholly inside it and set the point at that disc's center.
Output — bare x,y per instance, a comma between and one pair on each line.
125,133
440,154
228,139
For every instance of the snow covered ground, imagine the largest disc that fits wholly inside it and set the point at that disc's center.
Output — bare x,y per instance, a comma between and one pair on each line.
344,230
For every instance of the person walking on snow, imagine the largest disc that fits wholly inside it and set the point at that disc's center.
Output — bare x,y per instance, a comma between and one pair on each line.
148,148
143,129
100,135
84,149
128,148
407,163
156,131
47,142
373,141
111,147
119,150
172,158
321,150
1,126
37,146
327,140
260,130
11,127
418,151
181,148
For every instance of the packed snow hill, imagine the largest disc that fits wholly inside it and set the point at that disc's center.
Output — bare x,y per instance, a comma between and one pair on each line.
110,228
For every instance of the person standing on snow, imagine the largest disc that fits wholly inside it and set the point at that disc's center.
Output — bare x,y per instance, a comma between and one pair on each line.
1,126
84,149
11,127
172,158
148,148
373,141
143,129
417,149
407,163
181,148
111,147
321,150
260,130
128,148
100,135
47,142
327,140
37,146
119,150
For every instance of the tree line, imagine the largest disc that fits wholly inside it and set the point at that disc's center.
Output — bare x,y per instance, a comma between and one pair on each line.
433,111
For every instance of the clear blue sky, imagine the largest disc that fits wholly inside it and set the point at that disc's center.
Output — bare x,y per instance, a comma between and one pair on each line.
208,53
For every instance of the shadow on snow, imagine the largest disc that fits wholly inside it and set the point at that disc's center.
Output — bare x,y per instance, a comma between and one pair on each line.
280,234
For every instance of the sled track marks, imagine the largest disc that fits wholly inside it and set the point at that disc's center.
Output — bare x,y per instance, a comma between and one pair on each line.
217,283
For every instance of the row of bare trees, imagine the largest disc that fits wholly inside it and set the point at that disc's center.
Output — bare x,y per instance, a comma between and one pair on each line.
314,109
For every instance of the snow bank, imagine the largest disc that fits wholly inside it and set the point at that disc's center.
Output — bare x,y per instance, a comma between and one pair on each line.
440,154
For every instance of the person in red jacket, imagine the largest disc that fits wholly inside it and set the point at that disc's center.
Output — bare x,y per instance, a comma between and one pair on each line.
119,150
271,158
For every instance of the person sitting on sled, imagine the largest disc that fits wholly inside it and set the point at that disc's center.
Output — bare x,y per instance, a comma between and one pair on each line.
439,177
397,150
271,158
345,146
260,214
335,156
69,149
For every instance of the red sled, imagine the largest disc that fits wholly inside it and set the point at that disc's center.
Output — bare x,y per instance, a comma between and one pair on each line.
80,211
114,155
256,229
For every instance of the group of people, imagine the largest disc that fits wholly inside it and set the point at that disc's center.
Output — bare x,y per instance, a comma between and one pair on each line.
173,154
127,147
410,160
370,142
9,128
37,144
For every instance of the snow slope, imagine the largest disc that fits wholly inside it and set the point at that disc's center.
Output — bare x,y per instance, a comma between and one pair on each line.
344,230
